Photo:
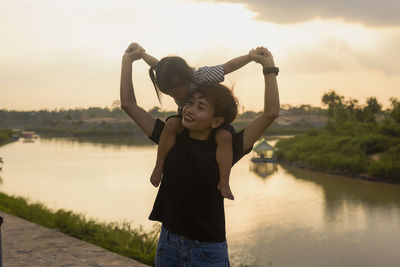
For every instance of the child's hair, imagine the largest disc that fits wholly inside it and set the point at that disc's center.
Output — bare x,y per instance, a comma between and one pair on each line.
170,72
224,102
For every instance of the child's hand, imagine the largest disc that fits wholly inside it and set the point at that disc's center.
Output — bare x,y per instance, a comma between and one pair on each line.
133,52
263,56
134,46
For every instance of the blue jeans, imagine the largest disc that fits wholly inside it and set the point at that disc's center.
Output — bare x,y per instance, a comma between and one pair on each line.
175,250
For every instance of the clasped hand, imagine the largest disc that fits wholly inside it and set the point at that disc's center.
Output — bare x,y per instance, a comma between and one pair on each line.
262,56
133,52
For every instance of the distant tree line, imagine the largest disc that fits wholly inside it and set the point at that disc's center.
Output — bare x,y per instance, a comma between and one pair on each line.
342,112
14,118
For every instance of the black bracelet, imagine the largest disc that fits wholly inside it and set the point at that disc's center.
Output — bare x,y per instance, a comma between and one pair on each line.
267,70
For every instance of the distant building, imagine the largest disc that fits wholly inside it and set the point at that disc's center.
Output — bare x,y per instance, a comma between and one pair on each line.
264,152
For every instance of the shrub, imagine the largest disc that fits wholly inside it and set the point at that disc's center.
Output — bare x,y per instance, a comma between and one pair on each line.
347,148
389,127
374,143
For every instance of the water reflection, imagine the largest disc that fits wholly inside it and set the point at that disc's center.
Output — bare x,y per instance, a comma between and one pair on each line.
298,217
263,169
339,187
120,141
345,195
105,142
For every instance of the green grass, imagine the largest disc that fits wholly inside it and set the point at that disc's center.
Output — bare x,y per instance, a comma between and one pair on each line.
389,165
117,237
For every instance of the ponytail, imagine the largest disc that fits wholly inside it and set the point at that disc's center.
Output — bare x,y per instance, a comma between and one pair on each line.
153,79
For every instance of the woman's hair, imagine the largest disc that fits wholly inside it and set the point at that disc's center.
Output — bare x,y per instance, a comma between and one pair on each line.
225,104
169,73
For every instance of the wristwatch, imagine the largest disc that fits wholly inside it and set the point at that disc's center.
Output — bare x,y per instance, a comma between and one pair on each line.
267,70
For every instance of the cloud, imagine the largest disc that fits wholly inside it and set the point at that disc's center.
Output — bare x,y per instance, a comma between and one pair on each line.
385,57
368,12
337,55
331,55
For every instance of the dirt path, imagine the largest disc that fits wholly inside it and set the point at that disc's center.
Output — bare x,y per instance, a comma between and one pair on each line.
28,244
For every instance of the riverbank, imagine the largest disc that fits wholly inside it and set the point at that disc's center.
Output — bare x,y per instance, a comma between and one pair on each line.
362,176
5,136
28,244
117,237
361,150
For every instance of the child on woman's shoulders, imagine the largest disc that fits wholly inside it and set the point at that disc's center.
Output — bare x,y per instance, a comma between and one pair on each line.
174,77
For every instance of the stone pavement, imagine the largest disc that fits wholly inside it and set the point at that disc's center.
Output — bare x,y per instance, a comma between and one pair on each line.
29,244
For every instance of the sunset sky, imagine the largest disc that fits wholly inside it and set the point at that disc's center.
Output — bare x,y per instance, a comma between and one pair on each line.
67,53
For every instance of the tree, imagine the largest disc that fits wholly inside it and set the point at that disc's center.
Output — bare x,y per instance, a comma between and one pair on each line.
395,113
372,108
155,111
116,104
305,107
334,102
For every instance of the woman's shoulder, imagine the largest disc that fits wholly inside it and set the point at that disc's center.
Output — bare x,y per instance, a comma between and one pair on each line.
157,130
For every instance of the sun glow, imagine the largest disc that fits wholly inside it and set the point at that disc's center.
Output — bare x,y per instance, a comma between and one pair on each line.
66,54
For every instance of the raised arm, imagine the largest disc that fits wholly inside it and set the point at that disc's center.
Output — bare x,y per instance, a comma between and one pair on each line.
140,116
150,60
271,100
236,63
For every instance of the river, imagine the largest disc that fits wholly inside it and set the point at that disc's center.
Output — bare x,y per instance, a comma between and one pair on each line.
281,216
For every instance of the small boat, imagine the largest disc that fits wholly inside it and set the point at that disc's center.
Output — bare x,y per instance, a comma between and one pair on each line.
29,136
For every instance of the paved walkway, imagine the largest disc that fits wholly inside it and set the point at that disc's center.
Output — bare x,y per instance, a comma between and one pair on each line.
28,244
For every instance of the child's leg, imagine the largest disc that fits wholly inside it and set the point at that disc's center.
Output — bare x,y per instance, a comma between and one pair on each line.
167,140
224,156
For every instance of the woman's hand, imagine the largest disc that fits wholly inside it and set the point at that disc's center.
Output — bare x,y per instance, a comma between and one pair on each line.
140,116
133,52
259,124
262,56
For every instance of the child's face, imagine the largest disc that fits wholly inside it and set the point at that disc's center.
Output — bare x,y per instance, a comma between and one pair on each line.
178,92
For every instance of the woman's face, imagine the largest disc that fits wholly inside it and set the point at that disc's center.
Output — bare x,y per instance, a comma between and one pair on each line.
198,114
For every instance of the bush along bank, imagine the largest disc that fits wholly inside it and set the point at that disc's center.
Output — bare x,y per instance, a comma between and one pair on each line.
117,237
5,136
353,143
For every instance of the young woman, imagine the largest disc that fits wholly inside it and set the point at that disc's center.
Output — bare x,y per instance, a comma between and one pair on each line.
188,203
